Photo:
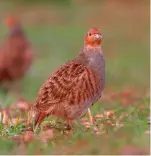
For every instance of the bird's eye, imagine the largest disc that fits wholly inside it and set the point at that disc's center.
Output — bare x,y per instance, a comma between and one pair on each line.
89,34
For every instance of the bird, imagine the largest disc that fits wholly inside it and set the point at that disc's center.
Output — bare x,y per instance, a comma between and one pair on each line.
16,54
73,88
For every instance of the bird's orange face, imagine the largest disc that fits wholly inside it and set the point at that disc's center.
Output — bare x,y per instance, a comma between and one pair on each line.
11,22
93,38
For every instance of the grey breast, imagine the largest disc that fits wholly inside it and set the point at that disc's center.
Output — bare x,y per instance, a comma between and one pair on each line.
97,62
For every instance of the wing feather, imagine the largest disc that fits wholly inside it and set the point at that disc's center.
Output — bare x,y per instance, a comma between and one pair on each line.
73,83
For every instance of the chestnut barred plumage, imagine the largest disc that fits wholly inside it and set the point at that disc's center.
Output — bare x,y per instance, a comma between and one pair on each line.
16,53
71,90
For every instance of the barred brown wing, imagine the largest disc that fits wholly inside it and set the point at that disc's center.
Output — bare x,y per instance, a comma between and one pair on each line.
73,84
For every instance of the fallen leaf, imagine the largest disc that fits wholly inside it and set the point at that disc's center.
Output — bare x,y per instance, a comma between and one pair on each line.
126,94
99,116
109,114
22,105
132,150
47,135
28,136
86,124
147,132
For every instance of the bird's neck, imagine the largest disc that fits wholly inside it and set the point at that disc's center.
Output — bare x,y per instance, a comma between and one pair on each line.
16,31
93,48
92,56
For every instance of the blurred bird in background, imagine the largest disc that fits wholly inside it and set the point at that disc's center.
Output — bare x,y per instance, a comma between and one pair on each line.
75,86
16,54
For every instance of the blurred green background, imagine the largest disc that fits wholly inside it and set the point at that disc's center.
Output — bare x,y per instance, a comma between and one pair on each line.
56,29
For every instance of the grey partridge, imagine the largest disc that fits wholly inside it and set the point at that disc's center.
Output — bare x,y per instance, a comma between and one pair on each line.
71,90
16,53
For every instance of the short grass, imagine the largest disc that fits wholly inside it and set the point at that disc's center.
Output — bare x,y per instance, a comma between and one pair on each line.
126,50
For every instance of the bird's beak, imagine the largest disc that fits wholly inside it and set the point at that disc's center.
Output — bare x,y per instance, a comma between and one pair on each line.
98,36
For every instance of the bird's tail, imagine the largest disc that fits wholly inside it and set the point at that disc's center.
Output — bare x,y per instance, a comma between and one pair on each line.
35,117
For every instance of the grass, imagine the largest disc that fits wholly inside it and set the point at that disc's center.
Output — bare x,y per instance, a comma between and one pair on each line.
126,50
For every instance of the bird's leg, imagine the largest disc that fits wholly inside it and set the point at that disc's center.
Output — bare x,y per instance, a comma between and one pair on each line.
76,122
68,123
91,120
90,116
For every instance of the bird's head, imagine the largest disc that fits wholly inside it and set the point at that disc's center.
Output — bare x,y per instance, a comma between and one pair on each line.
93,38
12,23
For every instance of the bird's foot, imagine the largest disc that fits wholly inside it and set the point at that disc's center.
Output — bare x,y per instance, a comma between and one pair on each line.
68,124
69,128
